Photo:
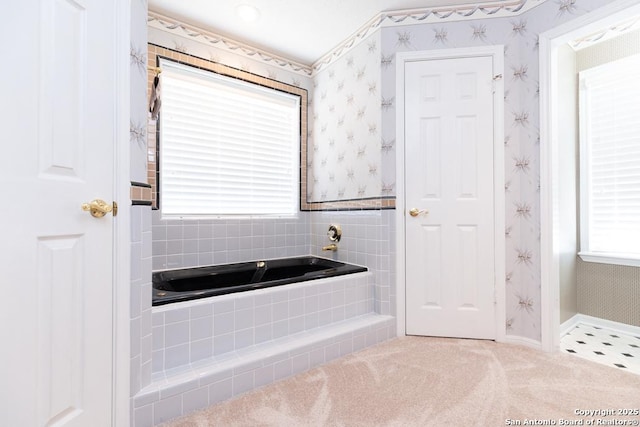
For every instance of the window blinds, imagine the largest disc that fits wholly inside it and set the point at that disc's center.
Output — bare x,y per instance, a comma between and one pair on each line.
227,147
610,157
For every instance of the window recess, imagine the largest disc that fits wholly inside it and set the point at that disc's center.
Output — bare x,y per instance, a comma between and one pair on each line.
610,162
227,146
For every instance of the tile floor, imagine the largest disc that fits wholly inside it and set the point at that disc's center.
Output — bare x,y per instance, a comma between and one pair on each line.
603,346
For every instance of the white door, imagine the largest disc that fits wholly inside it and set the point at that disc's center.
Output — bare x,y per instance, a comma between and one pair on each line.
57,109
449,181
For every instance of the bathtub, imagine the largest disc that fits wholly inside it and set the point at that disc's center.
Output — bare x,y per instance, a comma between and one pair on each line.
200,282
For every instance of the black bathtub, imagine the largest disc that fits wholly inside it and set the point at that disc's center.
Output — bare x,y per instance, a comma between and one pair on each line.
201,282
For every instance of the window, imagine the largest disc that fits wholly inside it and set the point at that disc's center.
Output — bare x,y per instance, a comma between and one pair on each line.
610,162
227,146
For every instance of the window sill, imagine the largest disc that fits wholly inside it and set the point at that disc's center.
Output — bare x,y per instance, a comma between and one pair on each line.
218,217
611,258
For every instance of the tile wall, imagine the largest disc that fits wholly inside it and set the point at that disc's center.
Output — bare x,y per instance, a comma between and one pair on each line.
186,333
189,243
199,385
140,303
368,239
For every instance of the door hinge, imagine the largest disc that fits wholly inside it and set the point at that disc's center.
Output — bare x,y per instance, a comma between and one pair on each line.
494,80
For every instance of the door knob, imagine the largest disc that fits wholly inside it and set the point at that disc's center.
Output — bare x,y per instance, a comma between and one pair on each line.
415,212
99,208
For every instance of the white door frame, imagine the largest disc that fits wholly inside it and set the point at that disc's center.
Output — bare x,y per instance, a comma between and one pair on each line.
121,346
550,42
497,53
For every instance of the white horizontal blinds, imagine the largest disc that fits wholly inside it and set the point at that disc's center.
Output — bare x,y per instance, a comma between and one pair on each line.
610,137
228,147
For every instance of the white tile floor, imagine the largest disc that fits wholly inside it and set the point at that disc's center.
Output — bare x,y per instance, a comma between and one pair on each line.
603,346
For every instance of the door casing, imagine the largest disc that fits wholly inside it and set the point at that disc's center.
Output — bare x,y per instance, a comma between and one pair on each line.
122,228
497,53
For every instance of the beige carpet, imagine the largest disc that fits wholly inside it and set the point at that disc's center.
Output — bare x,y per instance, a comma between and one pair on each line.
412,381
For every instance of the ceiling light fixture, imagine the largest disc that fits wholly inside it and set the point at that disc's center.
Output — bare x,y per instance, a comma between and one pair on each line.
247,13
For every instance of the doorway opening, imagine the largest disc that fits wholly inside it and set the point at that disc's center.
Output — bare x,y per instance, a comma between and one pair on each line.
560,239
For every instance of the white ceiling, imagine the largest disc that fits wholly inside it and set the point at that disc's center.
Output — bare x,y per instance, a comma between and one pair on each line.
299,30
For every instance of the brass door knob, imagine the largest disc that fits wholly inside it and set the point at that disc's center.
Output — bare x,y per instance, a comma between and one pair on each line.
415,212
99,208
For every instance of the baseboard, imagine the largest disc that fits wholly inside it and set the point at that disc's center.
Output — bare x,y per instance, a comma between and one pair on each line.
567,326
527,342
622,328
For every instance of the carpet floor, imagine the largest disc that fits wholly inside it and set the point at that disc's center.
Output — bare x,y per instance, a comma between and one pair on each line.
419,381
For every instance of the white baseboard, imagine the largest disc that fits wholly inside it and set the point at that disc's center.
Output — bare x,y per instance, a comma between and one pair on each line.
600,323
527,342
567,326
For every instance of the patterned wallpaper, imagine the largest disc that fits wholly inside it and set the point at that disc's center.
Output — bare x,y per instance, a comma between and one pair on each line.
138,62
519,35
176,36
344,158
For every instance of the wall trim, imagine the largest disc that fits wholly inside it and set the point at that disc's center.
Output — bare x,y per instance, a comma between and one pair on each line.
488,9
606,34
527,342
622,328
156,52
175,26
550,42
497,53
121,345
568,325
394,18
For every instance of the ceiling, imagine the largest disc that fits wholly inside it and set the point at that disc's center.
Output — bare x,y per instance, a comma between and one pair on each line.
299,30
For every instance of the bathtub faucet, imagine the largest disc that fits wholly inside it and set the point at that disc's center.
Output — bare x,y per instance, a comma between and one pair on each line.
332,247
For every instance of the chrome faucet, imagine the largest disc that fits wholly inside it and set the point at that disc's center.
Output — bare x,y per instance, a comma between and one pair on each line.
332,247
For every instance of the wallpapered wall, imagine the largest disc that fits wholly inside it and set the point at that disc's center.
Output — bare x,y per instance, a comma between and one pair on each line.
344,160
519,35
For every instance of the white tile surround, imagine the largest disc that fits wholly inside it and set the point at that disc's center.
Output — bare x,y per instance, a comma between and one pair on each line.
216,348
368,239
140,302
173,389
190,331
179,243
